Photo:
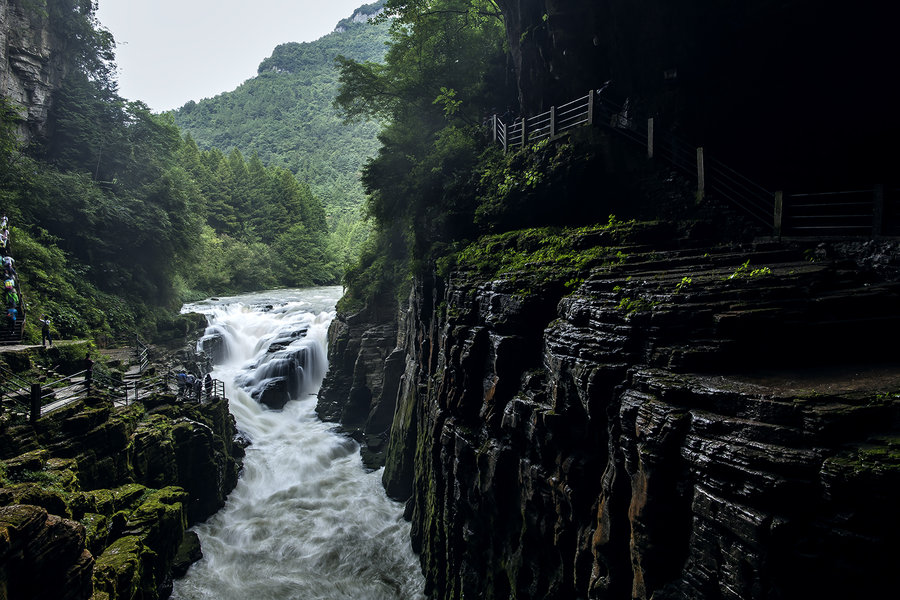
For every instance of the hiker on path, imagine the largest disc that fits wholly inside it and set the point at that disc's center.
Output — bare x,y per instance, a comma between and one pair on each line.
11,315
45,331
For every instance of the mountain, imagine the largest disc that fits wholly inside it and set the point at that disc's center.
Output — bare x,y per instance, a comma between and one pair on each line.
285,113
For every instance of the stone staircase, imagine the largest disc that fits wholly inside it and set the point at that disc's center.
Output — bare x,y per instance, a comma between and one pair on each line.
11,336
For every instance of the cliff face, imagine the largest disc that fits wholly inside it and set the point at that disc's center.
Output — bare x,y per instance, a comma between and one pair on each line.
96,502
679,425
31,67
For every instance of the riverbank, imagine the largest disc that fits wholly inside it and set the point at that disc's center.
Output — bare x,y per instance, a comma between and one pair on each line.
96,498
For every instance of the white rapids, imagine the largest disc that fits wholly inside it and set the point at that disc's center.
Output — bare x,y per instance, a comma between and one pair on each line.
306,520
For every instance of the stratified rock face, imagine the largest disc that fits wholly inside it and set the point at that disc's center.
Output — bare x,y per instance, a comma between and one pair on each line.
360,388
677,426
31,68
37,544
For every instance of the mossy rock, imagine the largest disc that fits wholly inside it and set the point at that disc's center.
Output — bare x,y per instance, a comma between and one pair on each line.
152,451
85,419
161,508
120,571
189,552
29,461
98,501
160,521
97,528
129,496
65,470
36,495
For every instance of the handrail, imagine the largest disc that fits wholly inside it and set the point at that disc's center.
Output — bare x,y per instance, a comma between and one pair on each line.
750,197
142,353
774,210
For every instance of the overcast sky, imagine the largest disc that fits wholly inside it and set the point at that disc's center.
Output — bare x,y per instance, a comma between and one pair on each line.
172,51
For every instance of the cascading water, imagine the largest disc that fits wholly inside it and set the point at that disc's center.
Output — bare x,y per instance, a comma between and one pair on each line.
306,521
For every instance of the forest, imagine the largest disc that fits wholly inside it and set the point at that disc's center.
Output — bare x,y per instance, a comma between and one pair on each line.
285,115
116,217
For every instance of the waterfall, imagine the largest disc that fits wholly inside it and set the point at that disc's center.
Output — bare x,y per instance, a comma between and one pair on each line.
306,520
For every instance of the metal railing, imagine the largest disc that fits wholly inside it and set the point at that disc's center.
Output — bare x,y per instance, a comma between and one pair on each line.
711,175
29,399
141,354
547,125
855,212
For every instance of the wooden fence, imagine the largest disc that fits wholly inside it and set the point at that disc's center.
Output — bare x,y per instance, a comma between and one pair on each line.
866,212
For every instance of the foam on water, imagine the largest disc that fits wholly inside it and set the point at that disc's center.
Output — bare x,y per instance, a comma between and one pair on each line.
306,519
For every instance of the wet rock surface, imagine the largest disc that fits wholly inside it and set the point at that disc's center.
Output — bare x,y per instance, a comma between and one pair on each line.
689,423
101,506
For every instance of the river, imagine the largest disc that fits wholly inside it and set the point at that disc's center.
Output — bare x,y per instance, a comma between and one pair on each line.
306,520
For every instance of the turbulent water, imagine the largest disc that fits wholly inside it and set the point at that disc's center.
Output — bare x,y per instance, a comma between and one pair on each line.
306,520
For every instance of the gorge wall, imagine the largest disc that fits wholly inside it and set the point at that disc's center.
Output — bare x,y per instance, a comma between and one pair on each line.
32,64
678,423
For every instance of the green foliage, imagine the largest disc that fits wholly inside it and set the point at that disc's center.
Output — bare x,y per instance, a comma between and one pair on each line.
437,83
545,249
683,285
745,272
631,306
285,115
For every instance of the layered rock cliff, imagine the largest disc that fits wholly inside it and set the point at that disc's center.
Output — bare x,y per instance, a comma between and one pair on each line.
679,421
32,64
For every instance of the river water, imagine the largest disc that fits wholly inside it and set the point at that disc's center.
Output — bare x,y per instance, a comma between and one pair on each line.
306,520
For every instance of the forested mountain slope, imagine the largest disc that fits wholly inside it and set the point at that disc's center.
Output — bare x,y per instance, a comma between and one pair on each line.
285,114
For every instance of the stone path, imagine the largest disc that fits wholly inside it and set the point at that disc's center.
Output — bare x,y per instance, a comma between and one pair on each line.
20,347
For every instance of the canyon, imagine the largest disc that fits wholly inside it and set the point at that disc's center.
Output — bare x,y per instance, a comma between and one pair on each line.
684,420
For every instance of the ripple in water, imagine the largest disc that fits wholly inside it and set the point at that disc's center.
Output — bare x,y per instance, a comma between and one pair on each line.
306,521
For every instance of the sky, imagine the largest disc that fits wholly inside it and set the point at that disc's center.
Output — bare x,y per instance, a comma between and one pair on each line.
172,51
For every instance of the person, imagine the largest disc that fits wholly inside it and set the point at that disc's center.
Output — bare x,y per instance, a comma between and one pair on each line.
198,386
11,315
9,267
181,381
4,223
208,384
12,298
45,331
189,384
4,242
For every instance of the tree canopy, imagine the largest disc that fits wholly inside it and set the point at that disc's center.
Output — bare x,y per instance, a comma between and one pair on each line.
117,217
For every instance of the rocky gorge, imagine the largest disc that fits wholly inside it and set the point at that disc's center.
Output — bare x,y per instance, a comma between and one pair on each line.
640,414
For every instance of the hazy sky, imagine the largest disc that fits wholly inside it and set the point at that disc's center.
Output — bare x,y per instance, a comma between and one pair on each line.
172,51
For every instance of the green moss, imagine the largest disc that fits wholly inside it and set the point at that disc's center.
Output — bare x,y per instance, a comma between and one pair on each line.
37,494
97,529
878,456
119,571
128,496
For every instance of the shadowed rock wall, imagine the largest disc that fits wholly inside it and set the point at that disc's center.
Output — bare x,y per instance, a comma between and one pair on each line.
31,64
795,95
673,427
